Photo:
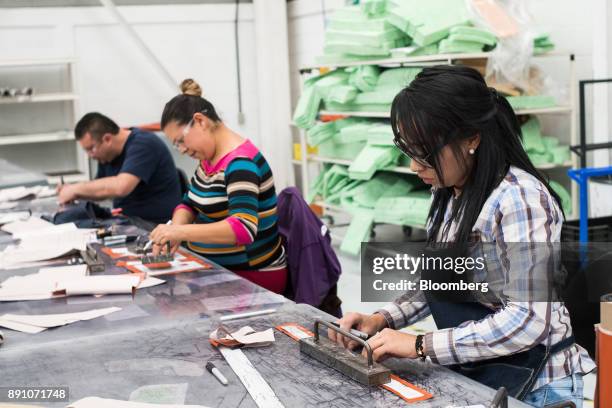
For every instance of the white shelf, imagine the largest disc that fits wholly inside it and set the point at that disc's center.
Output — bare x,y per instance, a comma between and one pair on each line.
339,209
387,115
68,178
46,61
396,169
402,60
37,138
420,59
50,97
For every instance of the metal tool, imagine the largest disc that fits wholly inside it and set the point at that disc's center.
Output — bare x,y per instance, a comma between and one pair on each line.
91,258
337,357
360,334
160,261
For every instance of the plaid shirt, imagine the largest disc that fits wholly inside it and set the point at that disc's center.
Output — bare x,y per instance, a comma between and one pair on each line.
520,209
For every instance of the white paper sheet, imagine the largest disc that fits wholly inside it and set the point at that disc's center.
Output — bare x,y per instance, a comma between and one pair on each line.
8,205
246,335
17,193
63,272
38,323
96,402
6,218
22,327
106,284
68,281
39,242
32,223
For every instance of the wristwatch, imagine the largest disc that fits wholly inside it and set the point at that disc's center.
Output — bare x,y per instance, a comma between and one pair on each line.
418,346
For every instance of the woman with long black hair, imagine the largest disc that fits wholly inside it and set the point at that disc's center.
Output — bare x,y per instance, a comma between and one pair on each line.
465,140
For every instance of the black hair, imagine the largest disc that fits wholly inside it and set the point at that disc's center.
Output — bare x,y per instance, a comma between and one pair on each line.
182,107
96,124
444,105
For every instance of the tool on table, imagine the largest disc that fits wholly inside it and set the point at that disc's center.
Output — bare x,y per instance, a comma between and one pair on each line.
215,371
360,334
256,385
150,243
337,357
246,314
161,261
91,258
119,239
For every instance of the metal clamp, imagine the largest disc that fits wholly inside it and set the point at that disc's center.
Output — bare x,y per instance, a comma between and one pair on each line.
344,333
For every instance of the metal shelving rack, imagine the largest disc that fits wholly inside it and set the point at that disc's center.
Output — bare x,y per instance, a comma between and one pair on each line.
423,61
67,96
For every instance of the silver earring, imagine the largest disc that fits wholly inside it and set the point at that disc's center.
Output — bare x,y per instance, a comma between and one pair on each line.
472,151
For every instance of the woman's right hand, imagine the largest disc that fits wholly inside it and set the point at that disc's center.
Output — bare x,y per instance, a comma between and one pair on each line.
367,324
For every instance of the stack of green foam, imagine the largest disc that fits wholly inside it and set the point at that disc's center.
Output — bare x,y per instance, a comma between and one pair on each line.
359,231
542,150
542,44
364,77
427,22
371,159
531,101
386,197
414,51
411,210
463,39
380,97
361,32
374,8
306,111
342,131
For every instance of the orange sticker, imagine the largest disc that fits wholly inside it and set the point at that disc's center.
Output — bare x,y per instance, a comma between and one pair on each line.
196,265
295,331
406,391
118,253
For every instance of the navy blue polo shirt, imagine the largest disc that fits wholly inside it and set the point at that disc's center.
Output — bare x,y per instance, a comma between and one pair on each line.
147,157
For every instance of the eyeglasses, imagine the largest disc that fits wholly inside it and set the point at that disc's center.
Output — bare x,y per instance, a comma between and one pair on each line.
424,161
179,143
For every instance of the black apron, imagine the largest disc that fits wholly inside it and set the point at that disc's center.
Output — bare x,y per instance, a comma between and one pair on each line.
517,372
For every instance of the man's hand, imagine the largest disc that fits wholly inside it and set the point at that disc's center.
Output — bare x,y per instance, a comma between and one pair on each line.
367,324
392,343
67,193
166,233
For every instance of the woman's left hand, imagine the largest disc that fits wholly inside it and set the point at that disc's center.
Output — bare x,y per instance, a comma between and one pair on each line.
166,233
391,343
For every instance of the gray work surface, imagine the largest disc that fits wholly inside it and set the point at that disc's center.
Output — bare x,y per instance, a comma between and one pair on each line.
12,175
160,337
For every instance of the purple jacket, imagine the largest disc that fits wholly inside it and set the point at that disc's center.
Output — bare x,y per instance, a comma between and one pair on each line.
313,265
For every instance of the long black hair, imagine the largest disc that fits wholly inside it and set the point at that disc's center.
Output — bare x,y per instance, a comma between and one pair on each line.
444,105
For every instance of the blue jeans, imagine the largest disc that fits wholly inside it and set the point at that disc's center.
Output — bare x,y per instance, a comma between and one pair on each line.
564,390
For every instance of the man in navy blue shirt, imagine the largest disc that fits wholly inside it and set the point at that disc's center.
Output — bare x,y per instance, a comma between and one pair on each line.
135,170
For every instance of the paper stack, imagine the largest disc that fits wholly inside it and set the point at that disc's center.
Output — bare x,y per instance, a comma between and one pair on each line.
37,323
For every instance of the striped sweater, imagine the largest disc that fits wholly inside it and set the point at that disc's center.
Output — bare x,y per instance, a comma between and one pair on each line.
240,190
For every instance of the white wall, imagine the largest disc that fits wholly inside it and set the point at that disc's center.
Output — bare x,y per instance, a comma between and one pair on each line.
115,78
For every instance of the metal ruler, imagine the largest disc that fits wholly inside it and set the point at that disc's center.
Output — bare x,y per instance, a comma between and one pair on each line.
255,384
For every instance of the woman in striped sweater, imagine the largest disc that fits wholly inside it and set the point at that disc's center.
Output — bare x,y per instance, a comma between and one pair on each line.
228,214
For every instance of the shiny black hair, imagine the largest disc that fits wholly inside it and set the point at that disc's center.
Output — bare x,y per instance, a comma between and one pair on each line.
445,105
